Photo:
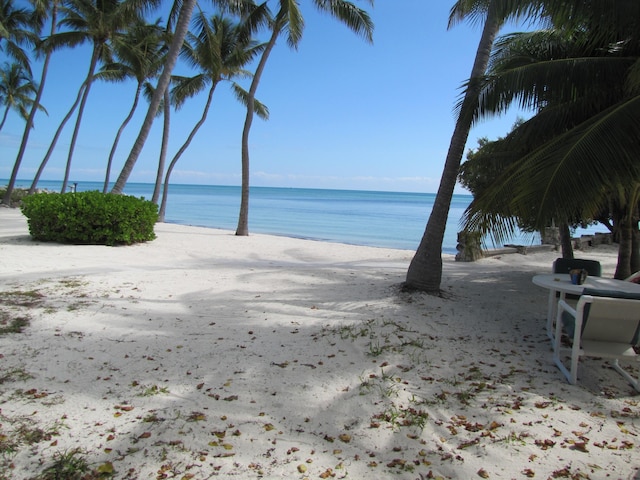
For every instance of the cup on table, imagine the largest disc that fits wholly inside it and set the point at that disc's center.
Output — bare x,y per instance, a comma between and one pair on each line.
578,276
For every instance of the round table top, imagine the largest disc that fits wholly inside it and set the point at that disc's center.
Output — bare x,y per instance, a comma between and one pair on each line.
561,282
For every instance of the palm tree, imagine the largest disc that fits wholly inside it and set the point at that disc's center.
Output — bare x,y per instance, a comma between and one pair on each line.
140,53
289,18
16,91
98,23
219,49
582,79
16,31
165,108
44,10
182,26
185,11
425,269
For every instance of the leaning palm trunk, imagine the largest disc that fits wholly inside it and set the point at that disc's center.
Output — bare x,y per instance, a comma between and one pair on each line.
425,269
182,149
112,153
34,108
166,129
47,156
76,130
4,117
163,82
243,217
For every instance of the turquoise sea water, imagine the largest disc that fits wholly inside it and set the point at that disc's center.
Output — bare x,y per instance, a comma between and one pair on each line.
380,219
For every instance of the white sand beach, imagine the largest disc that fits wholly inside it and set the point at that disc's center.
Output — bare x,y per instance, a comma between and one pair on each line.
205,355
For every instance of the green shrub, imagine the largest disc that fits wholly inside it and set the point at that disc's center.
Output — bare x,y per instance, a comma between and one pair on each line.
90,218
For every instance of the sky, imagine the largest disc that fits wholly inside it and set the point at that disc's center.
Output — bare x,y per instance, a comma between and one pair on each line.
344,113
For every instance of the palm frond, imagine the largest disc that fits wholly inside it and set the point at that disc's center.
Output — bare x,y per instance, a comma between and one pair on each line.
188,87
355,18
242,95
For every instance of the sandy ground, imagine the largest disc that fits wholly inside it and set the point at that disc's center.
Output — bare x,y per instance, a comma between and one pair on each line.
203,355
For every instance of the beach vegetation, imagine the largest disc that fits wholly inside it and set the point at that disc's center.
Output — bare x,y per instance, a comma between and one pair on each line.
68,465
576,158
90,218
10,322
398,417
585,97
151,390
17,89
99,24
139,55
219,49
17,374
425,270
290,21
12,325
44,12
183,11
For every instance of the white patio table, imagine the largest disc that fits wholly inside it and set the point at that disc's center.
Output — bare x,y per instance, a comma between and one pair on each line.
561,283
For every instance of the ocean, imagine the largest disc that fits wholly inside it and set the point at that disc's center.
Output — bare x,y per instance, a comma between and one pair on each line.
378,219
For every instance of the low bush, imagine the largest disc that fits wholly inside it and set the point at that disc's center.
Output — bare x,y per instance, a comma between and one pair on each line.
90,218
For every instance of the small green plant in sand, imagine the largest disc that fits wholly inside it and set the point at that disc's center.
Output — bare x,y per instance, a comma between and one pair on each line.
399,417
10,301
375,349
9,324
153,390
69,465
18,431
21,298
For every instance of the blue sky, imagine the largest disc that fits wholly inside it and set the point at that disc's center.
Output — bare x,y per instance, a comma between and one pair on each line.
345,114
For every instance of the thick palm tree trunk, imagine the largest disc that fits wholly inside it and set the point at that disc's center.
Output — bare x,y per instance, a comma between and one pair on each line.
166,129
163,82
112,153
32,114
243,217
425,269
76,129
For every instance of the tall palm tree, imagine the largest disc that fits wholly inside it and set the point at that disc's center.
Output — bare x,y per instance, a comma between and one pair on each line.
182,26
587,94
43,10
17,91
219,50
183,10
425,270
165,108
289,19
98,23
140,54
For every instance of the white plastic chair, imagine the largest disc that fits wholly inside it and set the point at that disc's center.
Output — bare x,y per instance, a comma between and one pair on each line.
604,327
635,277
